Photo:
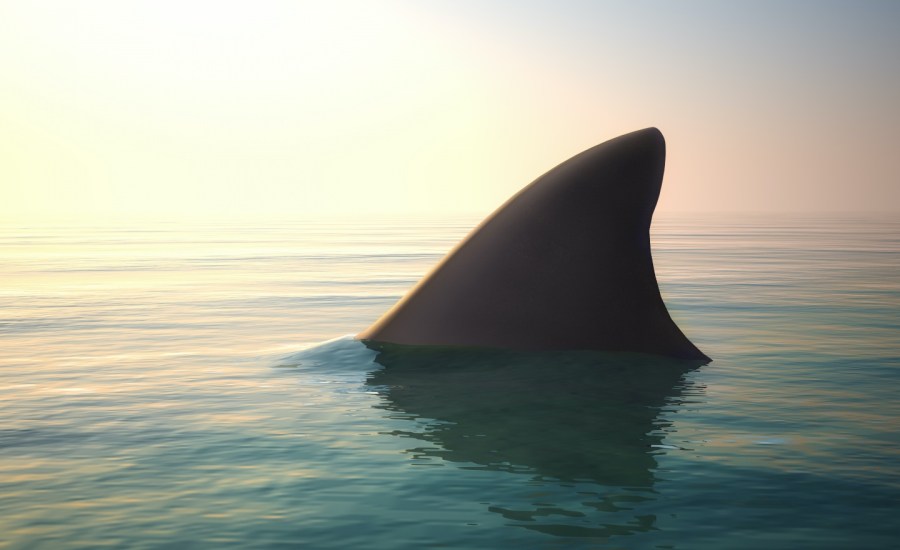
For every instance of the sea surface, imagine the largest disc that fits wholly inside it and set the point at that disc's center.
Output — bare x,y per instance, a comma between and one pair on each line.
195,386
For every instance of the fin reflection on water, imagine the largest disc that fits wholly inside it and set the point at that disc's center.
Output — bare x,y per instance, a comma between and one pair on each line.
569,416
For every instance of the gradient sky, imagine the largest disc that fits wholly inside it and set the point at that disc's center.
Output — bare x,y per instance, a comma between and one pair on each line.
195,110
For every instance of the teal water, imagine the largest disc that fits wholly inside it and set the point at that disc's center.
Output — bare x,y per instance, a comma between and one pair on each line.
190,387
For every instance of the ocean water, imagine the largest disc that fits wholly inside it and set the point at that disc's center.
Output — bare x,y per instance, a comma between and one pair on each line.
195,387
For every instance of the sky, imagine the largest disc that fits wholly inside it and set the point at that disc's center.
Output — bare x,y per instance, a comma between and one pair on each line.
188,110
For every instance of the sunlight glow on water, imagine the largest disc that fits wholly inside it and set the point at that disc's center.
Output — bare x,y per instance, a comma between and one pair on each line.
153,396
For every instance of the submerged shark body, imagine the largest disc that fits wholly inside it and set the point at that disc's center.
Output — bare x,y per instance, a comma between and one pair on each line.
564,264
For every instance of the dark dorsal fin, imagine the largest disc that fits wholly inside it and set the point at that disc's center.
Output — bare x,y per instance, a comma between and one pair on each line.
564,264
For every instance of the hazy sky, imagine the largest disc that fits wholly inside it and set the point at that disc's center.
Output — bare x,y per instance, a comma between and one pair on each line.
192,109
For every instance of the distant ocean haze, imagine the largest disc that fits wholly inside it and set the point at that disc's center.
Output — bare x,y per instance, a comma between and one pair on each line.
154,393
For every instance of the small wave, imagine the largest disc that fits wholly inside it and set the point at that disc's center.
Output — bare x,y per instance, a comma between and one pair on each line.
338,354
